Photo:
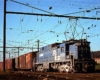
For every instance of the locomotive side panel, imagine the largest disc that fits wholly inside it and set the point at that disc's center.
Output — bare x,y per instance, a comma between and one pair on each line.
62,52
73,50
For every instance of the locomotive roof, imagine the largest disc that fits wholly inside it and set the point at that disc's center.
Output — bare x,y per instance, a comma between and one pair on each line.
75,41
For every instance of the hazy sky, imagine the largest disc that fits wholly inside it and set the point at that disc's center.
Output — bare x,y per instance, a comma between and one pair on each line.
25,30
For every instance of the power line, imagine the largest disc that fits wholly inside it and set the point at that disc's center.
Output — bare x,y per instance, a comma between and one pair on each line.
82,11
30,6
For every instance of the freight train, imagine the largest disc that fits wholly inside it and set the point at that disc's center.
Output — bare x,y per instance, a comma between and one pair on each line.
68,56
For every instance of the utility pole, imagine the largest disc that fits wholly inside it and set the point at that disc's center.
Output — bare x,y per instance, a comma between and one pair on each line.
9,54
38,41
32,48
18,56
4,35
18,51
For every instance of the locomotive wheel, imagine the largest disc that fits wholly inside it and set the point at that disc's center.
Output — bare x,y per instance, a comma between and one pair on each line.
61,69
40,68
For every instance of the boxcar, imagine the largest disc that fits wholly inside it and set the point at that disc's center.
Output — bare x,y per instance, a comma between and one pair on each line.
1,66
25,61
16,63
10,64
22,62
30,57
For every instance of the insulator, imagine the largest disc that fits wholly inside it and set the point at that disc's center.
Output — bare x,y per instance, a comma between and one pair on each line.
50,7
10,28
80,8
87,10
95,26
41,18
60,22
22,20
37,18
88,27
87,36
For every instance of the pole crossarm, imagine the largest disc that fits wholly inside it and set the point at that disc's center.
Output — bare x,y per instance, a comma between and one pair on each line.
54,15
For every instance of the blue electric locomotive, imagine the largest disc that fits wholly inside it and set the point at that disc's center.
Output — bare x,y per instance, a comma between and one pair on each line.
69,56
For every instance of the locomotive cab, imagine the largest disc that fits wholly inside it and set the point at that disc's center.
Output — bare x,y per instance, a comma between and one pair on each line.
80,56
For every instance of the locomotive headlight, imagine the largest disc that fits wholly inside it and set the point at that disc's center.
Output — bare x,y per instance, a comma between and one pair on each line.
67,70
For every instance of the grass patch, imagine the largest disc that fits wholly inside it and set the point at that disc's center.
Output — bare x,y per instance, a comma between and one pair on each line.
97,67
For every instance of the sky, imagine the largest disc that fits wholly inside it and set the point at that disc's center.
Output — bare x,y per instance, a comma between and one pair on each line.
25,30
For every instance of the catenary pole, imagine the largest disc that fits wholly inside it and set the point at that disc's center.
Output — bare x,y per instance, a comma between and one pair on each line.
4,35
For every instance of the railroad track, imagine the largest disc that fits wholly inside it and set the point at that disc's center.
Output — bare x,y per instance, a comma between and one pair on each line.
63,76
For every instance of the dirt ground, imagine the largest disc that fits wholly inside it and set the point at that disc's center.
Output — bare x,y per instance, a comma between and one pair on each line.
48,76
17,76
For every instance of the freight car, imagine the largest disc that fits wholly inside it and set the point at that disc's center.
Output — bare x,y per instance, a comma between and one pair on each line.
9,64
68,56
1,66
25,61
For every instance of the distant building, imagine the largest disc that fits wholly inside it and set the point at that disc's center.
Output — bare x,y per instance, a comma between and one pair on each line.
96,56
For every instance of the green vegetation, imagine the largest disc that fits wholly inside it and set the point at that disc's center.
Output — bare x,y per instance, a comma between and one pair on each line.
97,67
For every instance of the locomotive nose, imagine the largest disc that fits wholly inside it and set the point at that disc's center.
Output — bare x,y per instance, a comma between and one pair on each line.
88,67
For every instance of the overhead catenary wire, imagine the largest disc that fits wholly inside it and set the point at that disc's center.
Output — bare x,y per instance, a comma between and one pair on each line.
46,31
88,10
22,20
45,20
40,29
42,25
31,6
32,12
